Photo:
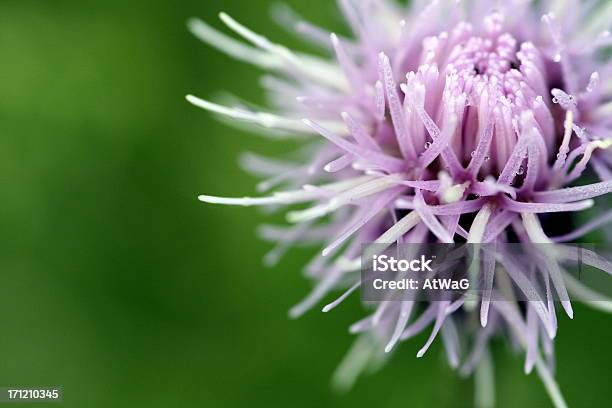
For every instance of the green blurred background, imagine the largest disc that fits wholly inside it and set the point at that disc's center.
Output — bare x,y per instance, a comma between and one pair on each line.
119,286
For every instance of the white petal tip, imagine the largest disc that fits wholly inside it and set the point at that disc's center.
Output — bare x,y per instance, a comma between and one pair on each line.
270,260
292,217
421,353
207,199
294,313
199,102
388,348
567,306
193,22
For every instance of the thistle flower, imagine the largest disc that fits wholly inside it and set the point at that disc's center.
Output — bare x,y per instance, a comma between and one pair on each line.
442,121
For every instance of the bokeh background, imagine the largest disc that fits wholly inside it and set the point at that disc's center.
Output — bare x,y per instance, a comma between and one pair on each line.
116,284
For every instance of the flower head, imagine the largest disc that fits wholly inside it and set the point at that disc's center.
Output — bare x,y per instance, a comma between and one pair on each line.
444,122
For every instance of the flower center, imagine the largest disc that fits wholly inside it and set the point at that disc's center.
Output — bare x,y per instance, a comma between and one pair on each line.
497,88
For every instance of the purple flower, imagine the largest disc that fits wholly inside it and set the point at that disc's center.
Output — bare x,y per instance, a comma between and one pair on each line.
444,122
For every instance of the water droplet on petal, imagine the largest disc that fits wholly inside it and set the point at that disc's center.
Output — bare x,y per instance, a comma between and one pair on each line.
427,145
520,170
473,153
487,158
580,132
555,100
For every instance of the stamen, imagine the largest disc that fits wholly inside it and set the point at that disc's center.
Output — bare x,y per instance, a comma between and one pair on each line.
340,163
536,234
349,196
232,47
379,98
404,316
336,302
566,101
437,326
381,160
533,167
264,119
309,66
593,82
581,165
399,228
359,133
531,337
441,143
570,194
349,68
585,229
395,107
526,285
290,20
450,338
564,149
528,207
361,218
480,224
453,193
488,273
430,220
421,322
286,197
